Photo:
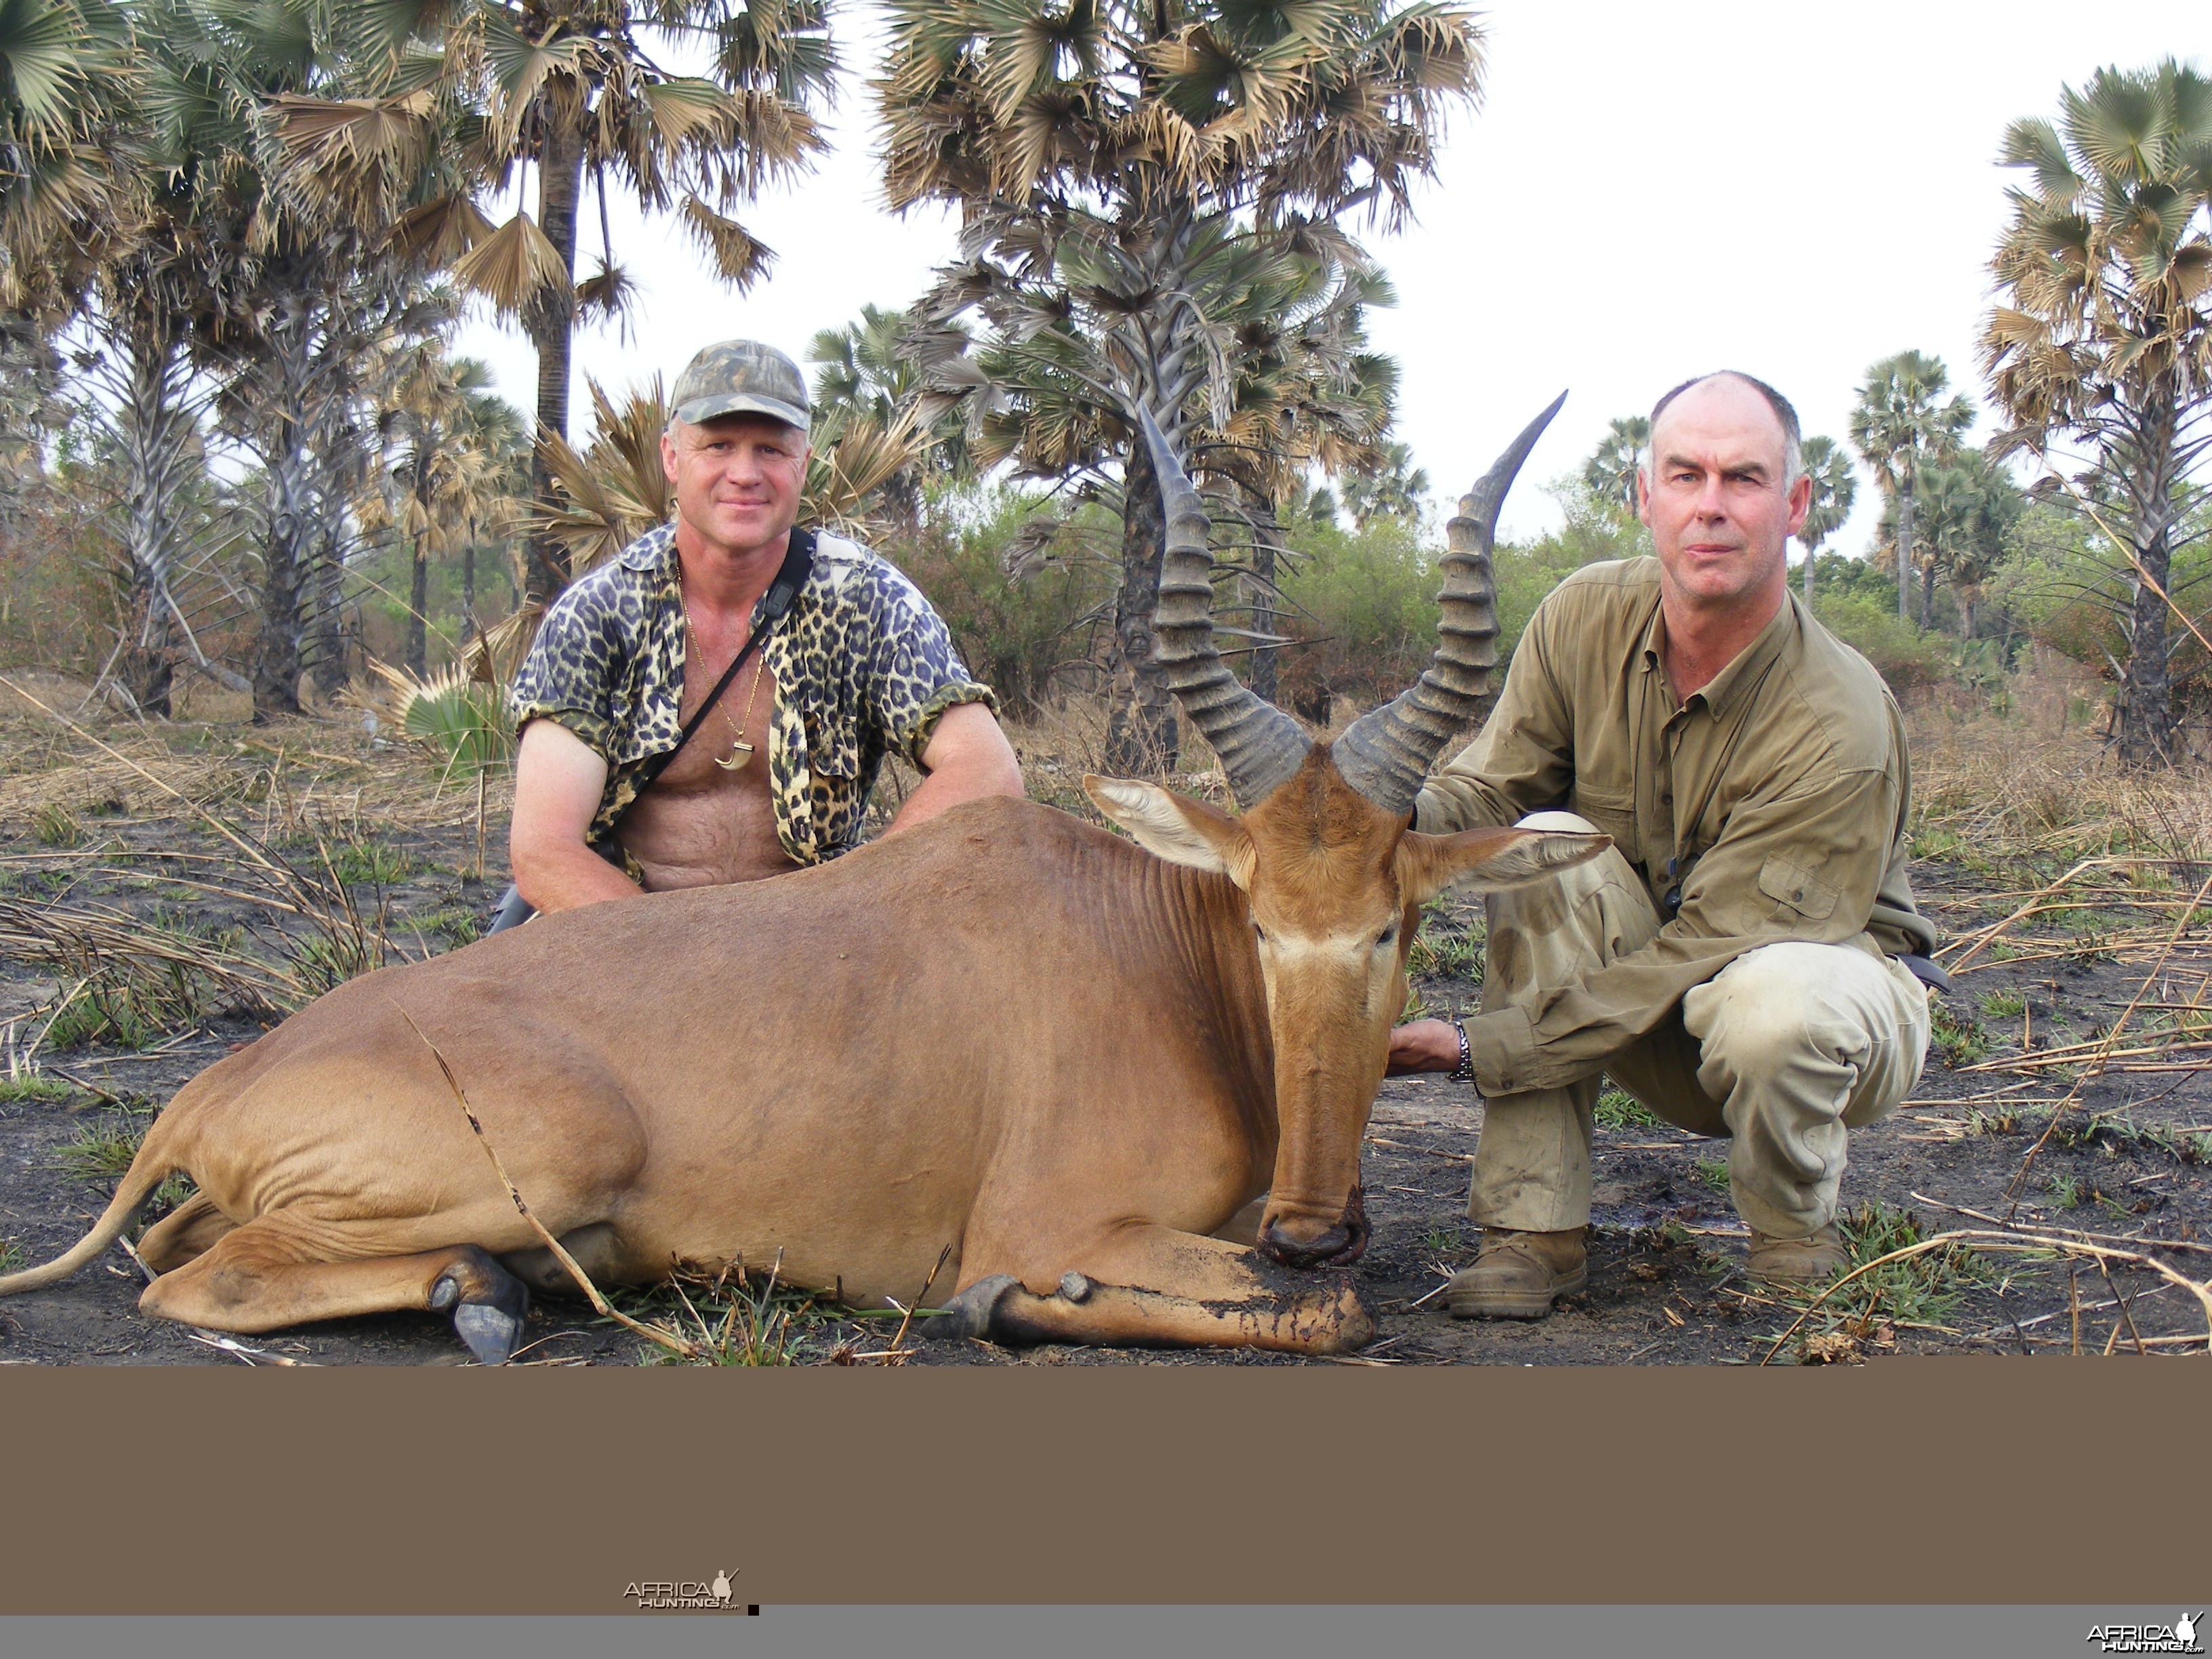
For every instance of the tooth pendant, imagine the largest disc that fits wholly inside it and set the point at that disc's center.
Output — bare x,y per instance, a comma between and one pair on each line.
740,752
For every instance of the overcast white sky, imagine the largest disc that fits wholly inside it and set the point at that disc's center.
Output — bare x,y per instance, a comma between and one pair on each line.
1649,191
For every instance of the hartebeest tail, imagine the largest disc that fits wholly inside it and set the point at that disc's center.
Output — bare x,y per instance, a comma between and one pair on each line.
153,1166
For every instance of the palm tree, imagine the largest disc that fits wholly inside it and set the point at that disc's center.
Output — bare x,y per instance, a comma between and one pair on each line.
1968,509
138,247
1900,425
65,75
869,374
2102,350
1610,473
572,91
1392,489
449,438
1835,487
1123,161
309,298
1064,356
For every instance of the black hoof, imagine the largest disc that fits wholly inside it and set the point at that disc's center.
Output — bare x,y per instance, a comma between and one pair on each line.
489,1304
969,1314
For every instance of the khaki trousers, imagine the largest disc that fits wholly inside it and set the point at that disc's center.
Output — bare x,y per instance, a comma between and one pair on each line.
1782,1051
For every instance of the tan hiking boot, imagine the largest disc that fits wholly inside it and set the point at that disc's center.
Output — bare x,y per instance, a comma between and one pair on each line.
1813,1261
1517,1275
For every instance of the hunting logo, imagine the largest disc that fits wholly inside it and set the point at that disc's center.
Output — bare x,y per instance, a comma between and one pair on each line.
657,1595
2180,1637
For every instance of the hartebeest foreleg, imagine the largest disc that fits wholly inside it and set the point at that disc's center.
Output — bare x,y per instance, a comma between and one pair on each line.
1151,1286
263,1276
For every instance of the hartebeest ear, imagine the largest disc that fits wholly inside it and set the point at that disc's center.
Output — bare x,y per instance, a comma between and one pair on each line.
1174,828
1489,859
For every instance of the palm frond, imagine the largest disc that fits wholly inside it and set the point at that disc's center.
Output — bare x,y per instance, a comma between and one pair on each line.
513,265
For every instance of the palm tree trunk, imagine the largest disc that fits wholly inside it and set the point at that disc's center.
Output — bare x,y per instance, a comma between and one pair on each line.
337,458
1928,594
1808,574
418,588
1140,731
1905,546
468,587
550,321
1263,604
418,601
284,357
2147,722
154,432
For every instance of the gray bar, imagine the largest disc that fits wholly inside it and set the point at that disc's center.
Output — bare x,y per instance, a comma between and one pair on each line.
1111,1632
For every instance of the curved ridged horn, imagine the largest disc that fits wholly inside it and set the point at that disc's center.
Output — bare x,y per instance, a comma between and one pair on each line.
1386,752
1259,745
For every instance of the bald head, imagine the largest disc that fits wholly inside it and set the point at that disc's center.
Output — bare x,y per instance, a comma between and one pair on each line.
1732,387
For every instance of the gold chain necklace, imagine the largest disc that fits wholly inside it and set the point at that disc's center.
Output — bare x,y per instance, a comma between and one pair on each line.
740,750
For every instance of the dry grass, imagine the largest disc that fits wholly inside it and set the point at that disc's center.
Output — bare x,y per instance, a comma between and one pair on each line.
2029,780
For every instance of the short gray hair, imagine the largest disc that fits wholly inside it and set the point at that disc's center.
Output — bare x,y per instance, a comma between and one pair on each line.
1793,454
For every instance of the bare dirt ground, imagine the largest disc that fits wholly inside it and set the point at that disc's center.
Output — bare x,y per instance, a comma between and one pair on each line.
2069,1097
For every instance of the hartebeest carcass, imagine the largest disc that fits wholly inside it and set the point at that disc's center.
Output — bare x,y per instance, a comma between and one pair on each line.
1071,1059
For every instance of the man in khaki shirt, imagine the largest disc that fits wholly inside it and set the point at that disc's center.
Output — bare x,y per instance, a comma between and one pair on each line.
1734,962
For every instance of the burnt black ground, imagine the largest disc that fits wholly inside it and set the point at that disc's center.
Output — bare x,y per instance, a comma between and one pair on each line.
1665,1282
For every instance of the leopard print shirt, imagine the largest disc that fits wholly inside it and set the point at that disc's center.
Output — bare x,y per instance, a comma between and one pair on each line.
861,662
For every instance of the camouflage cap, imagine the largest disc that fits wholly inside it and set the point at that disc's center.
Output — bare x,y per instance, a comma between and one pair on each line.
741,377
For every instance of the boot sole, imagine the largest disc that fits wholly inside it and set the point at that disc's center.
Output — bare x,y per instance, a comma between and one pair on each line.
1516,1305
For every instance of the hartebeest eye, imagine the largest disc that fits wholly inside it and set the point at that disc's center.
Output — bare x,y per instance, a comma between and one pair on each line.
1389,937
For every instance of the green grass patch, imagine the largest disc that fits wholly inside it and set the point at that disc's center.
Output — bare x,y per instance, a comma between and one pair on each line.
366,863
2004,1005
49,1089
1924,1288
1619,1109
112,1015
735,1318
1961,1041
53,824
100,1151
11,1257
456,925
1713,1172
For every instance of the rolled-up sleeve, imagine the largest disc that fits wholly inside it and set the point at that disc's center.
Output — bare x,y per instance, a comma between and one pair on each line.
568,676
1804,864
913,673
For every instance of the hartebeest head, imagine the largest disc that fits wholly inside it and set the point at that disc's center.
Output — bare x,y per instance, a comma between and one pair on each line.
1333,877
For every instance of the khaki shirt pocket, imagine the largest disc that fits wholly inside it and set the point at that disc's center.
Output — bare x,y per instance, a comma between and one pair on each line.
1797,893
1615,814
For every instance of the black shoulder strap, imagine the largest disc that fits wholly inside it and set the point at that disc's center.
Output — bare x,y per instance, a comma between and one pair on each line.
790,577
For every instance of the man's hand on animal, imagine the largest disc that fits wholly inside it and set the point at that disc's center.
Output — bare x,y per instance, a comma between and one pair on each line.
1424,1045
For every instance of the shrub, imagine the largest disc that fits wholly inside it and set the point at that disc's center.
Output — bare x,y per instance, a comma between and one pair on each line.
1018,634
1902,655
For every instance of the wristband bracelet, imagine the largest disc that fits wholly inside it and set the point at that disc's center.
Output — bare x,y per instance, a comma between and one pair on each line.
1464,1072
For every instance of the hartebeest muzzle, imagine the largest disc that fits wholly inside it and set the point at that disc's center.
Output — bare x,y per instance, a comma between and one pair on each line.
1339,1244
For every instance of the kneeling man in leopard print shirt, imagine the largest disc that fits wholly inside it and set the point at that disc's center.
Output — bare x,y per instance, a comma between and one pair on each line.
778,775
